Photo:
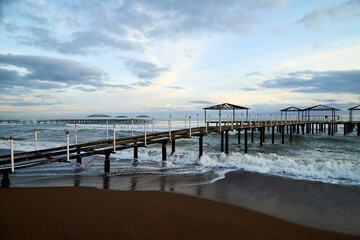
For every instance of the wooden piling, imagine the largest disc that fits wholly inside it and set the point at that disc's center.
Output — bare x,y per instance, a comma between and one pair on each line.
291,132
245,140
283,134
303,129
239,138
5,181
163,151
227,141
135,151
107,162
261,136
273,135
201,149
358,129
312,129
78,158
172,146
252,135
222,141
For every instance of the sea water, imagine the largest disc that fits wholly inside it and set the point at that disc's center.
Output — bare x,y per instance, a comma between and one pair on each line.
323,158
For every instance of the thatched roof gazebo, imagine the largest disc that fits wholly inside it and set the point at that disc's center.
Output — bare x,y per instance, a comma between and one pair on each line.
228,106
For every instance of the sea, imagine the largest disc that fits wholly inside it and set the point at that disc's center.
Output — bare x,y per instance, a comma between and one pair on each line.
320,157
312,180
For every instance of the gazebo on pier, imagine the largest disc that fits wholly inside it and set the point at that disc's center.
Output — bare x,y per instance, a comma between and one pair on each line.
321,108
227,106
291,109
351,112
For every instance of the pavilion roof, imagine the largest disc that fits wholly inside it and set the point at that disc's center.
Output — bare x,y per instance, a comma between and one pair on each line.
121,116
321,108
291,109
355,108
142,116
225,106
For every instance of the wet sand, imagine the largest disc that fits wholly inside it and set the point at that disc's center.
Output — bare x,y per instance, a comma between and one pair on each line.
325,206
88,213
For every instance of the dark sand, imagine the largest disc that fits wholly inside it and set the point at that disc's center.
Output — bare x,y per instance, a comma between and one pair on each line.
87,213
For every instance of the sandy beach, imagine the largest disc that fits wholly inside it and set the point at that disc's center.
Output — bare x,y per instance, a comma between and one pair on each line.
88,213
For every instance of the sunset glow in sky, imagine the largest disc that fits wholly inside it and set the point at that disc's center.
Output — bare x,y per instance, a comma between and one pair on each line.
71,58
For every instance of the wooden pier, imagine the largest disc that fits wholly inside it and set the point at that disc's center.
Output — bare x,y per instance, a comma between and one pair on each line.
67,153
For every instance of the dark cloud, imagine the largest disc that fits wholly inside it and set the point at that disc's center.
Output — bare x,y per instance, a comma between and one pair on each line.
341,12
144,70
201,102
318,82
49,73
118,24
81,42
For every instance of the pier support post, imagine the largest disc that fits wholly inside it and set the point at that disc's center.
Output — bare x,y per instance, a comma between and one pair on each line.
358,129
291,132
135,151
227,141
329,129
239,139
201,149
303,129
282,134
252,135
312,129
172,146
78,158
107,163
163,151
222,141
5,181
273,135
245,140
263,139
261,136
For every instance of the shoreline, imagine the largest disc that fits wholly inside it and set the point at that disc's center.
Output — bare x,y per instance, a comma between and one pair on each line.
89,213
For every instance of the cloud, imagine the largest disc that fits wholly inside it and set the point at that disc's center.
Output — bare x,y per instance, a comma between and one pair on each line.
80,42
201,102
255,73
341,12
49,73
175,87
318,82
127,25
142,83
249,89
143,69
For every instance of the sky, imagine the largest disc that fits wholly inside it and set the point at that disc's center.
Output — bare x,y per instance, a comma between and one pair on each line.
73,58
